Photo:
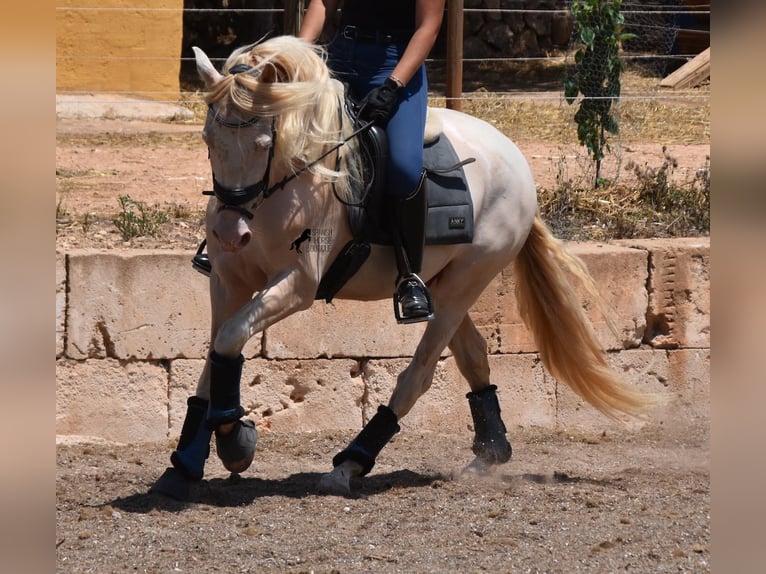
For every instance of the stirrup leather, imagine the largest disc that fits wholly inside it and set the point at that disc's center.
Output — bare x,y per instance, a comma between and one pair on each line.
400,318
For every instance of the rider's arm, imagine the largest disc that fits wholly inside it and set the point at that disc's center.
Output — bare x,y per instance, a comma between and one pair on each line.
428,20
318,12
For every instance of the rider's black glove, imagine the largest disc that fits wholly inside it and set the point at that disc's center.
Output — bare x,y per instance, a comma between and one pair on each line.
379,104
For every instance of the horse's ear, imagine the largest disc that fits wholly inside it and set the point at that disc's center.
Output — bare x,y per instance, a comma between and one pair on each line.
205,67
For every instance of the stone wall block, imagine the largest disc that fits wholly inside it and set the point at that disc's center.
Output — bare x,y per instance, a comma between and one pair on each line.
620,276
679,292
342,329
526,398
105,398
142,304
298,396
680,378
60,303
284,396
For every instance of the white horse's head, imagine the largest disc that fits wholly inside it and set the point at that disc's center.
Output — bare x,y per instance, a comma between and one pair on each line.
273,111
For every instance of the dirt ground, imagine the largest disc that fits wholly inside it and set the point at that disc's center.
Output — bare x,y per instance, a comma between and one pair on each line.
637,502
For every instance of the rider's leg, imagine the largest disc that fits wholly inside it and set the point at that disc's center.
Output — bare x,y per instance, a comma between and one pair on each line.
408,230
406,179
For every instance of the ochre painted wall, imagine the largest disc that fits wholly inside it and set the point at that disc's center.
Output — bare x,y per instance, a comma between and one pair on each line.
119,46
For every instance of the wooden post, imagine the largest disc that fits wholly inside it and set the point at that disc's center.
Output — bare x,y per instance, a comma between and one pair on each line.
455,54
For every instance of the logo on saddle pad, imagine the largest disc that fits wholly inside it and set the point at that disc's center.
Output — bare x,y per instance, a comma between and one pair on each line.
457,222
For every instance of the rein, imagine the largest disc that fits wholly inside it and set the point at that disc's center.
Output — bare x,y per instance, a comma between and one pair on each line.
234,198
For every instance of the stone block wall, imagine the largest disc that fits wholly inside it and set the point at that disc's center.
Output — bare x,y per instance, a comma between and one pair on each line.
133,327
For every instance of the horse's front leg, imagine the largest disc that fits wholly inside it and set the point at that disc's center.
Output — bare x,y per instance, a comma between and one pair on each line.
291,291
216,405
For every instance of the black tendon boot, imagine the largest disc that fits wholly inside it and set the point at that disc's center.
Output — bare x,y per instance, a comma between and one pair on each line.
194,443
365,448
489,444
225,375
190,455
412,301
236,449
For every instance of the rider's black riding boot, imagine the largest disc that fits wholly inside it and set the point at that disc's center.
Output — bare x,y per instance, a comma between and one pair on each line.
412,301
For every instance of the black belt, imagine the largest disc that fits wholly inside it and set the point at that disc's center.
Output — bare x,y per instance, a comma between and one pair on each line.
375,36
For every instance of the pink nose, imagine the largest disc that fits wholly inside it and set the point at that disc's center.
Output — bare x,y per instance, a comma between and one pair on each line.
231,235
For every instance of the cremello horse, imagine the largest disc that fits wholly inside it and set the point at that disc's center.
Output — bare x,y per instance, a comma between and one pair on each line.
278,139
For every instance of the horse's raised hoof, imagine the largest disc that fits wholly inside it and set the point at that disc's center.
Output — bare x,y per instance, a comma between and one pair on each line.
338,481
174,484
236,449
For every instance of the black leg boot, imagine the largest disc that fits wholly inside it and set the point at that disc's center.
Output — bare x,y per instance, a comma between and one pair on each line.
489,444
365,448
236,449
412,300
190,455
225,375
194,444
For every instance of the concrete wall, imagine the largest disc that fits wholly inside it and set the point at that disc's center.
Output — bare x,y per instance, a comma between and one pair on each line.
118,46
132,334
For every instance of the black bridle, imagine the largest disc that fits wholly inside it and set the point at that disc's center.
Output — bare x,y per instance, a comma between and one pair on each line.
234,198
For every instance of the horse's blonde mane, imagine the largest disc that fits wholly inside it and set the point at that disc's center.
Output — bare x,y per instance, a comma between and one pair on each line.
289,81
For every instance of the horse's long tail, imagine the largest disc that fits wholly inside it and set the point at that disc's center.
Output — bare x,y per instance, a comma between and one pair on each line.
563,334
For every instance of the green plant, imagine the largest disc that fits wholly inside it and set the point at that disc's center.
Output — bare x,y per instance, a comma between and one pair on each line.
596,74
136,219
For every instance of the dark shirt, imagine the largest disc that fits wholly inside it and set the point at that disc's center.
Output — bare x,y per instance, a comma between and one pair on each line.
395,16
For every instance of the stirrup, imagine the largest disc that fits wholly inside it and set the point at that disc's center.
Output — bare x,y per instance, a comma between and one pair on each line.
201,262
397,307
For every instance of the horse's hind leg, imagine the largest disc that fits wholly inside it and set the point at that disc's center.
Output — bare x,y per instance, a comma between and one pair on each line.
469,349
452,296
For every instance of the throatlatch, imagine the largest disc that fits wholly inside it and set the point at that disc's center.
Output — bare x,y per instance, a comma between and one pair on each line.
412,300
489,444
365,448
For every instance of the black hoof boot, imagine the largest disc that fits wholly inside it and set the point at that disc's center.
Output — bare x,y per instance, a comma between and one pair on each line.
194,444
489,444
237,448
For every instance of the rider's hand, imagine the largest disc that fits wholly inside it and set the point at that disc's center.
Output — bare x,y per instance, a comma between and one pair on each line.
379,104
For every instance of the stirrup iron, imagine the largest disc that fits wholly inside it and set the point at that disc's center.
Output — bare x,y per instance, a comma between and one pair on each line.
400,318
201,261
